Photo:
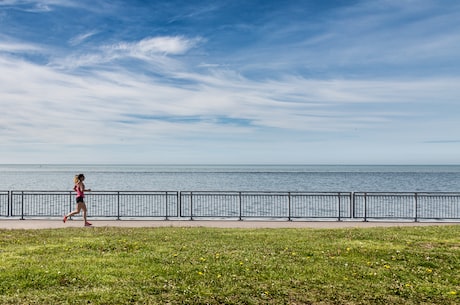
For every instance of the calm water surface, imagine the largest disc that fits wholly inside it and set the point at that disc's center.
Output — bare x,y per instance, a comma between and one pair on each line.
293,178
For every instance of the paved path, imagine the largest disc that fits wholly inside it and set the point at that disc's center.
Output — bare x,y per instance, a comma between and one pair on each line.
54,224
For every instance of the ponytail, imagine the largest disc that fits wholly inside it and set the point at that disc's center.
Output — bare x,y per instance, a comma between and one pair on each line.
78,178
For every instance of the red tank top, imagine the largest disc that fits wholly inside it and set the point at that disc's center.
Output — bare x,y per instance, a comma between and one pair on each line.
80,193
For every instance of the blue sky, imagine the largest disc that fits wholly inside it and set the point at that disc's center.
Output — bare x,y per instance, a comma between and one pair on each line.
311,82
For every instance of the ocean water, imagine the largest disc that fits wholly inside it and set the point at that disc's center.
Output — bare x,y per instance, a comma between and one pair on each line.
293,178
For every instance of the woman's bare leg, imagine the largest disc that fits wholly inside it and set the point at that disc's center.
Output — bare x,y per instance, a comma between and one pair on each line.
78,209
84,213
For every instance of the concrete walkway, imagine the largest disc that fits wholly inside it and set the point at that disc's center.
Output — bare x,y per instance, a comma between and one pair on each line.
248,224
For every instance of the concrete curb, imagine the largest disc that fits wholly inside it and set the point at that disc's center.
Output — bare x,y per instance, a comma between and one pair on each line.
13,224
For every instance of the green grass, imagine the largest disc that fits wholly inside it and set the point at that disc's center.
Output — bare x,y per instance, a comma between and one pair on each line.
417,265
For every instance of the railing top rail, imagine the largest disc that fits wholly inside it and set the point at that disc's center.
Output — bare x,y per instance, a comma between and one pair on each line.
406,193
265,192
358,193
249,191
39,191
450,193
95,191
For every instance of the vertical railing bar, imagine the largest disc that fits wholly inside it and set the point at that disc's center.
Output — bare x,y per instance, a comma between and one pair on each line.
352,197
22,205
191,205
180,204
177,203
289,206
365,206
166,218
70,202
354,206
10,203
339,219
416,206
118,205
241,208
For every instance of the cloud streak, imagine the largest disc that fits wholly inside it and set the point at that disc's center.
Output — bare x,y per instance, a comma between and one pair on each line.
74,41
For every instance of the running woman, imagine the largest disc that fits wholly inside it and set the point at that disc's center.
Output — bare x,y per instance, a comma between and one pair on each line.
80,189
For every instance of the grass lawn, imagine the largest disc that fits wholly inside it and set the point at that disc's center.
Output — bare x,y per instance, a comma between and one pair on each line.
410,265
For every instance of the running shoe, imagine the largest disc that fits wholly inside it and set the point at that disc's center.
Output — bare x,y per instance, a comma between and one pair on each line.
87,224
65,218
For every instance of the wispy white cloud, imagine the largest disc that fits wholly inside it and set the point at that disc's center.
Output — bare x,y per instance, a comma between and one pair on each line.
104,107
74,41
169,45
156,51
37,6
10,46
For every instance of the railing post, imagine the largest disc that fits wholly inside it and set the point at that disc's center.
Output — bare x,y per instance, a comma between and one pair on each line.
22,205
289,207
365,206
339,219
70,203
118,205
166,218
240,204
352,205
10,209
180,204
416,206
177,203
191,205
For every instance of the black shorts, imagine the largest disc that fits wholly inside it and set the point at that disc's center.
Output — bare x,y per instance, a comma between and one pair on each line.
80,199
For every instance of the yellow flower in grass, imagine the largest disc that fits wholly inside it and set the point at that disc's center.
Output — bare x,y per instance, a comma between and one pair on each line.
265,294
453,292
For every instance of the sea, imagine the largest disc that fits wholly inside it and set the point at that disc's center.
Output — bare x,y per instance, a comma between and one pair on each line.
261,178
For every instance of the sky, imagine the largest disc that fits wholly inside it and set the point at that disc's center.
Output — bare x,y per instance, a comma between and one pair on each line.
230,82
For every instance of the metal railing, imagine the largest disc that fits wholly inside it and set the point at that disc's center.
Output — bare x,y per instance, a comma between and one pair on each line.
236,205
4,203
243,205
415,206
112,204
